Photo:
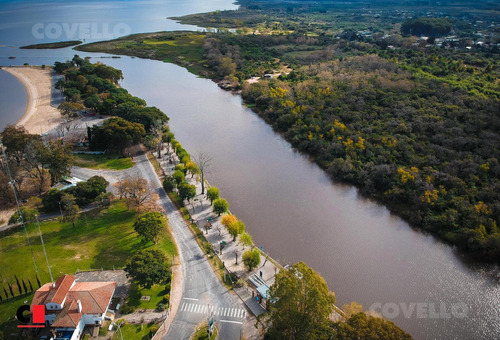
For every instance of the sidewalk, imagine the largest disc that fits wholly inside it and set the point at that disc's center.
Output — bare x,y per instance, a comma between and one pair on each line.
201,211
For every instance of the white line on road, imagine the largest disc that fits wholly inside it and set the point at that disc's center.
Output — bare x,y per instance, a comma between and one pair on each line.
230,321
193,299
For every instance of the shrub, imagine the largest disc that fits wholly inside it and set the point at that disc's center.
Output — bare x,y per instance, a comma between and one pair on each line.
162,306
154,329
169,184
127,309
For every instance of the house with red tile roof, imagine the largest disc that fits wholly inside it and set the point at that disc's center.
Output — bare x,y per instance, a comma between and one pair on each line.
72,305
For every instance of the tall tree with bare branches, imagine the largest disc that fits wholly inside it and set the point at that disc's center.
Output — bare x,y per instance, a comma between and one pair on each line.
204,161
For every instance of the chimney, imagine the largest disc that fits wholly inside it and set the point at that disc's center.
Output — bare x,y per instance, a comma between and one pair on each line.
79,306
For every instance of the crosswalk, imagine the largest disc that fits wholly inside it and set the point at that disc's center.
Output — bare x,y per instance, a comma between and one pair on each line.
238,313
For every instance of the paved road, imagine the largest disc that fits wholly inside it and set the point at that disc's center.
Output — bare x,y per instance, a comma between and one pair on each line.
202,292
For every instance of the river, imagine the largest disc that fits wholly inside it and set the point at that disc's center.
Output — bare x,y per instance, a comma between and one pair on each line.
296,213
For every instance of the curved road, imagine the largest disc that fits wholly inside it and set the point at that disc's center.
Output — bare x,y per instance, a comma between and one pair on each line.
203,293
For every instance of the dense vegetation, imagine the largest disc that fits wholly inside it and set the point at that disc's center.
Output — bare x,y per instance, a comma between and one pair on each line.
96,86
302,306
411,124
426,26
53,45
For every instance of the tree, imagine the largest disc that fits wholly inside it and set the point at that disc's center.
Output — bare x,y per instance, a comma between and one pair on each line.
70,109
193,168
302,303
236,228
204,162
186,191
251,258
352,308
362,326
88,191
151,142
169,184
149,225
116,134
15,139
92,102
70,208
178,176
58,160
137,193
167,137
212,194
226,220
148,267
221,206
246,239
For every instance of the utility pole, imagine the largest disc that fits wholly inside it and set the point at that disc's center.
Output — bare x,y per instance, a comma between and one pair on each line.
44,251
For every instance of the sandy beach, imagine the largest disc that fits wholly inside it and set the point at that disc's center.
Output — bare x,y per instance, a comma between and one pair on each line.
39,116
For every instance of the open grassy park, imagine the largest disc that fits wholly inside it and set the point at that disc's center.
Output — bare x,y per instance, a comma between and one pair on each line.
103,162
101,239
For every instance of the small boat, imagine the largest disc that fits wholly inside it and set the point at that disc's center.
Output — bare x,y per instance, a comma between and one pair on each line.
12,57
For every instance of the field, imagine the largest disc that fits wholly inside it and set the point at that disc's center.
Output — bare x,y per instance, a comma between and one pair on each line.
104,162
133,332
181,48
104,239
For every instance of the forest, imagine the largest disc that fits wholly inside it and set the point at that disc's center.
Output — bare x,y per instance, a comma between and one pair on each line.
412,122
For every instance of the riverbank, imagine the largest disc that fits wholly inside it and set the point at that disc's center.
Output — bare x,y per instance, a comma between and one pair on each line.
40,116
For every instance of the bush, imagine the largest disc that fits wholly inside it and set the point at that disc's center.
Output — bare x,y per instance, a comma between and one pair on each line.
161,307
166,298
154,329
51,199
127,309
169,184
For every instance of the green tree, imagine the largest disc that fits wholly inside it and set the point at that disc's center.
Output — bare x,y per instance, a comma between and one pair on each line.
221,206
16,139
70,208
148,267
70,109
186,191
212,194
116,134
57,159
302,303
236,228
169,184
193,168
246,239
362,326
92,102
251,258
178,177
149,225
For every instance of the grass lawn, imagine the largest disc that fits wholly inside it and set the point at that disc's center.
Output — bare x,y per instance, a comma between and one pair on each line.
156,292
201,332
104,162
133,332
104,239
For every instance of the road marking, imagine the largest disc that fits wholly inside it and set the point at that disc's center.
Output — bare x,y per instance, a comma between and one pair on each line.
192,299
230,321
238,313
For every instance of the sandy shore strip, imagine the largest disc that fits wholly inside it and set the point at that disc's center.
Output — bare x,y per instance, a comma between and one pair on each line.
39,116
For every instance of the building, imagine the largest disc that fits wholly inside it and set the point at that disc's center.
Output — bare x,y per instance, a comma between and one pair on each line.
72,305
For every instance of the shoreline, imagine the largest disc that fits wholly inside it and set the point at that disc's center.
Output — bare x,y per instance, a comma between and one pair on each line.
40,116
